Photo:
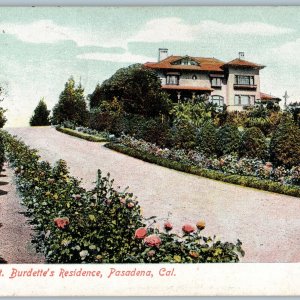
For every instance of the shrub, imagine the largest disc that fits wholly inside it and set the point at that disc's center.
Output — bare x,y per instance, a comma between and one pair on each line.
41,115
157,132
285,144
228,140
207,139
102,225
184,135
253,144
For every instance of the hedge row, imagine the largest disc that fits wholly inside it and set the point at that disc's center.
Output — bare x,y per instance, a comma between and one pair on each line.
248,181
81,135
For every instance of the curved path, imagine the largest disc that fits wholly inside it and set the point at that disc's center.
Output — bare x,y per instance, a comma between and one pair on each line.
268,224
15,231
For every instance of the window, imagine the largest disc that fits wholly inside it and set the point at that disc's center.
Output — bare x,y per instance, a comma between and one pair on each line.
216,81
244,80
173,79
219,100
244,100
185,61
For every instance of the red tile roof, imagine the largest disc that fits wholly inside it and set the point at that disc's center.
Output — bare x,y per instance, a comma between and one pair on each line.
267,97
205,64
242,63
185,87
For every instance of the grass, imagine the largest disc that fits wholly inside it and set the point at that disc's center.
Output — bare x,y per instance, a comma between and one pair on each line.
81,135
247,181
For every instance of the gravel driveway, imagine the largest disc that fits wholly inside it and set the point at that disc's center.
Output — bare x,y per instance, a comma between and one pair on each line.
268,224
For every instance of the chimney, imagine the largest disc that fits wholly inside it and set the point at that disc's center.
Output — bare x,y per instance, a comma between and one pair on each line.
241,55
162,53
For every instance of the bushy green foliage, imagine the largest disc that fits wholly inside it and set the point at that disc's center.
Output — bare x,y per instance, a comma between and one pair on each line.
40,115
137,88
96,98
195,114
207,139
285,144
248,181
2,153
71,105
102,225
184,135
228,140
156,131
253,143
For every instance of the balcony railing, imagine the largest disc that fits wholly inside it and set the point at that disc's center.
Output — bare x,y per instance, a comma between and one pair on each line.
237,86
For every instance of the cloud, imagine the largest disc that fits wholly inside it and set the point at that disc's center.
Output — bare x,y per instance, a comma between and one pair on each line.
126,57
175,29
287,53
48,32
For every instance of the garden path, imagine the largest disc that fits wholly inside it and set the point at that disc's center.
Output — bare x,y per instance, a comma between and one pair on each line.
15,232
268,224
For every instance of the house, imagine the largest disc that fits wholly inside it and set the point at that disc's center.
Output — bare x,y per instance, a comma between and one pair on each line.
235,83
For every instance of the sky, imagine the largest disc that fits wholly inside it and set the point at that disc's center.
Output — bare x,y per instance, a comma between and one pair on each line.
40,47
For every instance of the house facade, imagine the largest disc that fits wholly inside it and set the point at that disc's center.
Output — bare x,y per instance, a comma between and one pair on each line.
235,83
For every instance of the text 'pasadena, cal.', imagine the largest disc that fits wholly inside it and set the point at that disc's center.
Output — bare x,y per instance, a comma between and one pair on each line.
64,272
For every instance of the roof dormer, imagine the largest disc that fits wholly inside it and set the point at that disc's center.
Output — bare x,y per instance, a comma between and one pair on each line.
186,61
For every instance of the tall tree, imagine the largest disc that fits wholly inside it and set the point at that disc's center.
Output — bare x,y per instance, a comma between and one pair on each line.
71,105
137,88
96,98
40,115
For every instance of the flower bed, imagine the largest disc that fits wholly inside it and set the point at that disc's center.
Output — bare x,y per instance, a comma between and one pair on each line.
89,137
102,225
246,172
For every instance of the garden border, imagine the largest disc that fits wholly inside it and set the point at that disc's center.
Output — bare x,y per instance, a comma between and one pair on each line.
247,181
81,135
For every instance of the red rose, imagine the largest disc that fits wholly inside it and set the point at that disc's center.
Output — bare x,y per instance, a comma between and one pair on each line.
61,222
168,226
130,204
187,228
152,240
140,233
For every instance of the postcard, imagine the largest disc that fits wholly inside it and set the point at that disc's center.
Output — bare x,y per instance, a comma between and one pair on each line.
149,151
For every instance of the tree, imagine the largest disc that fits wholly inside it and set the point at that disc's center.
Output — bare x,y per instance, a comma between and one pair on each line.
137,88
228,140
253,143
40,115
96,98
71,105
2,110
285,144
207,139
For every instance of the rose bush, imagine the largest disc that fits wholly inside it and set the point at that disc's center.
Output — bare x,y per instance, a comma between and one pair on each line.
102,225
